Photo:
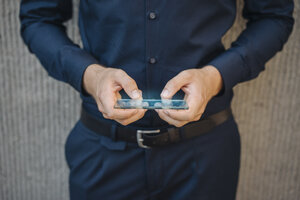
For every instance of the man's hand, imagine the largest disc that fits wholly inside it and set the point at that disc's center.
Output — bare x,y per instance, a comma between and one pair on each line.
199,85
104,85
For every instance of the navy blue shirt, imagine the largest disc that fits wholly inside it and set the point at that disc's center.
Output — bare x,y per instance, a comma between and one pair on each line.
154,40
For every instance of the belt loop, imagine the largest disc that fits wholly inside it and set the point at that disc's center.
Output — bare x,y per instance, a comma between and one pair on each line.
113,132
174,134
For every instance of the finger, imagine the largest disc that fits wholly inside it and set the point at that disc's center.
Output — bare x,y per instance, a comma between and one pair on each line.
171,121
183,115
134,118
180,115
175,84
189,116
129,85
108,100
122,114
119,95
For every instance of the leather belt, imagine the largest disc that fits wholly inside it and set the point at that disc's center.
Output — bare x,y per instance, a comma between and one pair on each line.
147,138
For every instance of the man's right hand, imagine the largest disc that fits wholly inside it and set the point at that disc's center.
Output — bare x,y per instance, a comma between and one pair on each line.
104,84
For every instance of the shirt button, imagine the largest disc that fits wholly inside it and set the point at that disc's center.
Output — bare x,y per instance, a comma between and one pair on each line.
152,60
152,15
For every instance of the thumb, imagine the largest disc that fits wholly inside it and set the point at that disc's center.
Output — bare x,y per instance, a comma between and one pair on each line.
174,85
130,86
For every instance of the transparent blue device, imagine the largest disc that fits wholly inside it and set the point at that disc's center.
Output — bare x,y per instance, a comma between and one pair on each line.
151,104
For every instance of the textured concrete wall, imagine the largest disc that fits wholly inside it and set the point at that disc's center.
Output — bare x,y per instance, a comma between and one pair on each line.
36,114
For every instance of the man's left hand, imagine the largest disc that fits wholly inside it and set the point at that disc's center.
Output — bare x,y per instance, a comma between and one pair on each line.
199,86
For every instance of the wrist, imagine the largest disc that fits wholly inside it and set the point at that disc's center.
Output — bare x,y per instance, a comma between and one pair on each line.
214,79
90,76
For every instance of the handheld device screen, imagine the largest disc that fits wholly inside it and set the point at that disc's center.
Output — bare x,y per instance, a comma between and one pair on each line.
151,104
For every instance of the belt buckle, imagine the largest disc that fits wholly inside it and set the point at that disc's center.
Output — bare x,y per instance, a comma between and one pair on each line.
140,139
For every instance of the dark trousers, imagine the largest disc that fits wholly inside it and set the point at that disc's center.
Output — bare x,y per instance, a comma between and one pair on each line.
205,167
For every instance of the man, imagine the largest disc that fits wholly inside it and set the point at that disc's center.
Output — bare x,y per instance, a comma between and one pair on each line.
154,49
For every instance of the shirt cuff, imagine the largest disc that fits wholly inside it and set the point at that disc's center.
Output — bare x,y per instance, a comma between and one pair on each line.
231,67
75,61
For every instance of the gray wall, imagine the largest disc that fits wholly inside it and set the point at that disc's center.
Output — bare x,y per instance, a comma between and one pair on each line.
37,113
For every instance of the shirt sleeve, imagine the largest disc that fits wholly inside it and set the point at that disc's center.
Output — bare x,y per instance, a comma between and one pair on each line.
269,25
43,32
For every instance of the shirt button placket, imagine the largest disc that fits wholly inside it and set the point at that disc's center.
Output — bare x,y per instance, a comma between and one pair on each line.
151,28
153,168
152,16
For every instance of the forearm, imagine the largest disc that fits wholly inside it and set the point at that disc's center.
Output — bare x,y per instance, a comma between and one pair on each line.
266,32
43,32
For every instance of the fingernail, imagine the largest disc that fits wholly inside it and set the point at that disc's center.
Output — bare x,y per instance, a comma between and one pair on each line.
165,93
135,94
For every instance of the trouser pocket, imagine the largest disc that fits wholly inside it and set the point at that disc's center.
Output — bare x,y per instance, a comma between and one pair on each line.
69,143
